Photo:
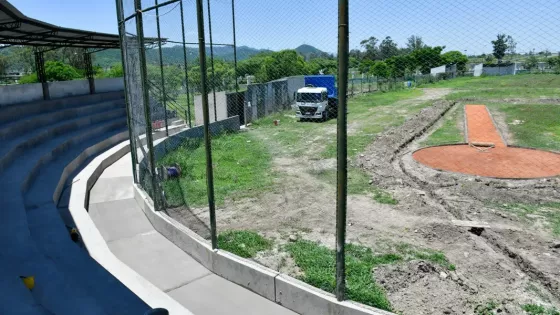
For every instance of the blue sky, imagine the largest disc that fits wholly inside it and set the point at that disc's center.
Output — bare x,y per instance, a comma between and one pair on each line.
275,24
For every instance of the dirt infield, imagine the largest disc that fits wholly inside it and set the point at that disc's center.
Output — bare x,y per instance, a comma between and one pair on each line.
499,161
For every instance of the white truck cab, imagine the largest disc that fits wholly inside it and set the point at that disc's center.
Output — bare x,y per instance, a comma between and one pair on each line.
312,102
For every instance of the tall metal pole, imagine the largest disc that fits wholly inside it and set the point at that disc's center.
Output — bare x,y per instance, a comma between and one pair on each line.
235,60
164,95
186,64
342,164
146,99
206,117
122,34
212,60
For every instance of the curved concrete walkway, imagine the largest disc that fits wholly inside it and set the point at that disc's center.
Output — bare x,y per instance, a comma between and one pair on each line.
133,240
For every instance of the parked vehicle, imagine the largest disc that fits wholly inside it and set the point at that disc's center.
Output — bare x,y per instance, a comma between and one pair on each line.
318,99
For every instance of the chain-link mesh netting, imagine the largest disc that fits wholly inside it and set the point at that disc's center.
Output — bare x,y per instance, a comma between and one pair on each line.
452,140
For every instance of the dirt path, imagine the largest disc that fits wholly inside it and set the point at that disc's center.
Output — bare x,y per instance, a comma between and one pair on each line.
481,128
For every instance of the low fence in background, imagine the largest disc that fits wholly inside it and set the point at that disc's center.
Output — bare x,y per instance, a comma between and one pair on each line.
267,98
24,93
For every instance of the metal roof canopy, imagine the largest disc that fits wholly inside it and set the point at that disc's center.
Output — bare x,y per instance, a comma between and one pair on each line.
18,29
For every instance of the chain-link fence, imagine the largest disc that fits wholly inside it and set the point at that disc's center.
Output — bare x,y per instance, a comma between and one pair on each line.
412,166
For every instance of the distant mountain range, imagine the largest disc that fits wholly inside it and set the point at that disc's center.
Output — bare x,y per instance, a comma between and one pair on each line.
174,54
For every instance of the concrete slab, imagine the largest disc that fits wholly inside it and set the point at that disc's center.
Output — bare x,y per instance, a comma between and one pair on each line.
158,260
121,168
213,295
110,189
119,219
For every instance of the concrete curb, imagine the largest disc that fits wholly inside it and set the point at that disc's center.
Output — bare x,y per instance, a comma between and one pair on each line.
96,245
279,288
70,168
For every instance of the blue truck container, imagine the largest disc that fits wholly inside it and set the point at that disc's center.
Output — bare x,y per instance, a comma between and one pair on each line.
327,81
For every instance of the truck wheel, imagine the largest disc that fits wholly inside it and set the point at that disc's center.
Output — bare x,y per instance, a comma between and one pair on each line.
325,115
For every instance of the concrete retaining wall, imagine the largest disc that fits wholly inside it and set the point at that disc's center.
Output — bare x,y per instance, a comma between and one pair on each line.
221,107
20,93
25,93
109,85
60,89
505,70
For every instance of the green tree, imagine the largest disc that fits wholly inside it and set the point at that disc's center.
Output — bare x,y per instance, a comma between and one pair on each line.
370,46
356,54
427,58
554,63
173,76
511,45
414,42
500,47
281,64
381,69
116,71
399,66
456,58
3,64
366,66
531,62
251,65
489,59
388,48
326,66
59,71
353,62
29,78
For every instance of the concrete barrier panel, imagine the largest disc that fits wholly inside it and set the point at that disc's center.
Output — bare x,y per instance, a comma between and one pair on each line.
20,93
246,273
307,300
68,88
109,85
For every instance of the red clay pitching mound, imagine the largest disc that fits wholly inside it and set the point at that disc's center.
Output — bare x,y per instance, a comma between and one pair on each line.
498,161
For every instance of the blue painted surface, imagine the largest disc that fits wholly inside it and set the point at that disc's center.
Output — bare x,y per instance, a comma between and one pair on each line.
327,81
33,237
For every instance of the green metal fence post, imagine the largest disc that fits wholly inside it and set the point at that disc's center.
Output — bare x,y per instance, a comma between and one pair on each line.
186,65
146,99
164,98
212,61
122,33
342,150
235,62
206,116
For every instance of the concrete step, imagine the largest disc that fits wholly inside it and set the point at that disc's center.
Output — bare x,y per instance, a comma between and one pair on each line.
55,291
10,113
17,147
53,240
41,183
30,123
16,298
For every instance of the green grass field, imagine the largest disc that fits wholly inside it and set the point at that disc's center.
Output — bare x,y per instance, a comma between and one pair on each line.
449,132
241,169
317,263
540,127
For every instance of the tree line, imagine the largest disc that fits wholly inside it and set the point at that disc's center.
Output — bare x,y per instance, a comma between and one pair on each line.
385,59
